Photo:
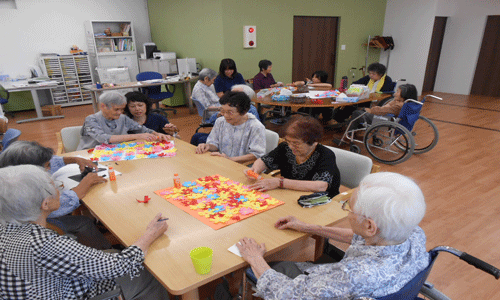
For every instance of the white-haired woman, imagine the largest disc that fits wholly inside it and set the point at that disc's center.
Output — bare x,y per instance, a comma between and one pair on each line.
111,126
37,263
387,247
204,91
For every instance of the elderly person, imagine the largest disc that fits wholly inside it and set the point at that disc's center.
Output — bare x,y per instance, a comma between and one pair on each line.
264,79
111,126
138,109
203,90
305,164
238,136
32,153
228,76
37,263
387,247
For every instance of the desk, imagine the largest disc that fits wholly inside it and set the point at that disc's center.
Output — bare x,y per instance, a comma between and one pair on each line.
114,203
18,86
136,84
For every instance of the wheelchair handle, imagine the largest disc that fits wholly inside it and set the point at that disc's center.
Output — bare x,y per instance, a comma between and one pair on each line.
476,262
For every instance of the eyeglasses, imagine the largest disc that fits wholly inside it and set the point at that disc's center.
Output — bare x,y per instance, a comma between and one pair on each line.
346,207
229,112
294,144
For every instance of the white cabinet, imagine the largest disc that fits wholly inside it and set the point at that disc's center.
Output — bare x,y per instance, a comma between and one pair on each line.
72,72
111,51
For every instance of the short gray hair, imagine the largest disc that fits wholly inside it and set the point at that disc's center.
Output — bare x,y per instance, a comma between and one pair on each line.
112,98
245,89
25,153
206,72
22,192
393,201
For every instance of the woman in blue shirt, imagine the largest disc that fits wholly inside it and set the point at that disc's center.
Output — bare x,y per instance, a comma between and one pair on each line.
138,108
228,76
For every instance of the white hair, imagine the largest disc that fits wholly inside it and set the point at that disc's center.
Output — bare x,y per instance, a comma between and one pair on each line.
112,98
393,201
245,89
22,192
206,72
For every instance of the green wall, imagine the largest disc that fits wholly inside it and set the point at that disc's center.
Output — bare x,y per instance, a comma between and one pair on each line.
213,29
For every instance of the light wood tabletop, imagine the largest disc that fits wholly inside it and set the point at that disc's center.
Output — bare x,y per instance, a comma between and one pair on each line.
114,203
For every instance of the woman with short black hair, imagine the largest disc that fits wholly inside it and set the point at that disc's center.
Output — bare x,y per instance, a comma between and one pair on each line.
264,79
228,76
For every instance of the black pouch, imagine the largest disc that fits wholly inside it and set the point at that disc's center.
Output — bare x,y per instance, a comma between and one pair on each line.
314,199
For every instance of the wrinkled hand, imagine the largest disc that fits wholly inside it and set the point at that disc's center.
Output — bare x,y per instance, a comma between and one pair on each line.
290,222
147,136
202,148
249,249
265,184
92,179
219,154
170,129
161,136
82,163
155,228
250,177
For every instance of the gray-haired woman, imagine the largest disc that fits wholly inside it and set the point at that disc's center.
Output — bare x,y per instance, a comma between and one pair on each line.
37,263
110,125
203,90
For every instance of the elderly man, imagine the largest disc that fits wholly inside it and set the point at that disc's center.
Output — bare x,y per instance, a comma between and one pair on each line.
387,247
110,125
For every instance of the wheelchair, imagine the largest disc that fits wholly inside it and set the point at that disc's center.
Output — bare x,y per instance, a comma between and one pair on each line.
394,140
417,287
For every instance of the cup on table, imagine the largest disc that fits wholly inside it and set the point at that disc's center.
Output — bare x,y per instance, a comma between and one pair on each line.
202,259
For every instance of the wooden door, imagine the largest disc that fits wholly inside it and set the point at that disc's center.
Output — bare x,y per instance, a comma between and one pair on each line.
487,76
434,53
314,46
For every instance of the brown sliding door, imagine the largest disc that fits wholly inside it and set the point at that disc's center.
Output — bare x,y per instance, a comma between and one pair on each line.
314,46
434,54
487,77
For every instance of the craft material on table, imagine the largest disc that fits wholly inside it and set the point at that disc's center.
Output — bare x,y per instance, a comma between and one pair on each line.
133,150
218,201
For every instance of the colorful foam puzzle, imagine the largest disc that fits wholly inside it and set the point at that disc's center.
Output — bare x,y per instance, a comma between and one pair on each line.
218,201
132,150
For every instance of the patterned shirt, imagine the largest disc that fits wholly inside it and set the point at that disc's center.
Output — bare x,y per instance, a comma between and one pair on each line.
365,271
249,137
320,166
205,95
68,199
37,263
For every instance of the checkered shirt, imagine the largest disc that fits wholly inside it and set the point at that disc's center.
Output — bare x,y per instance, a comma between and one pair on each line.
37,263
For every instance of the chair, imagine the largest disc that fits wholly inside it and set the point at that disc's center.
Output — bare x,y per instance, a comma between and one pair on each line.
205,113
115,294
10,136
154,92
272,140
68,139
4,99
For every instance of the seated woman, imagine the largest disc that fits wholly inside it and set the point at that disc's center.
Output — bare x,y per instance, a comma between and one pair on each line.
238,136
318,80
265,79
138,109
32,153
228,76
202,90
387,247
37,263
111,126
404,92
305,164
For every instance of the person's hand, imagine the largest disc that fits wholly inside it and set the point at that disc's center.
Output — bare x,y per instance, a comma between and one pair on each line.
265,184
249,249
290,222
156,228
161,136
82,163
87,182
147,137
249,177
170,129
202,148
368,110
279,84
219,154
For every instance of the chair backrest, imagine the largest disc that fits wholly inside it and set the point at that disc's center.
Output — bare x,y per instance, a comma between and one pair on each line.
202,111
272,139
10,136
148,76
70,137
353,167
409,113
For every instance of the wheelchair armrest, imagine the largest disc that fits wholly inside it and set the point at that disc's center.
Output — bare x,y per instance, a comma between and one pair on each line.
168,90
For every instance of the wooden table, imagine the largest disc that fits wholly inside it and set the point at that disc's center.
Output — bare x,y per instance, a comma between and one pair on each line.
114,203
138,84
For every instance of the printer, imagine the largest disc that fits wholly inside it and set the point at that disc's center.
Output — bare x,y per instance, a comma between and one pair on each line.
164,55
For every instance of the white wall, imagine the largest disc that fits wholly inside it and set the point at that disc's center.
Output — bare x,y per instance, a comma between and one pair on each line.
462,42
38,26
410,23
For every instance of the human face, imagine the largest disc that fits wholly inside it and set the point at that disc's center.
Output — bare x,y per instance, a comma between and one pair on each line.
229,73
112,113
54,201
268,70
315,79
298,146
208,82
397,95
374,76
137,109
232,115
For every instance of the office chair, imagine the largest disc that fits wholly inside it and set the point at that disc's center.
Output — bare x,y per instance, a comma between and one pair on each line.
4,99
10,136
154,92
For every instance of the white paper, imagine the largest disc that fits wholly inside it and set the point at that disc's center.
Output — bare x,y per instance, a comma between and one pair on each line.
234,249
65,172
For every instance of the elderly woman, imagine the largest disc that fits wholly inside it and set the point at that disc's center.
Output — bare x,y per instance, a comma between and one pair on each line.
305,164
387,247
138,109
37,263
264,79
203,90
228,76
238,136
32,153
110,125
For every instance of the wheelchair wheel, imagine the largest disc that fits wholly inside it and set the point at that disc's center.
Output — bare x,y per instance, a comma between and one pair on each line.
355,149
389,142
425,134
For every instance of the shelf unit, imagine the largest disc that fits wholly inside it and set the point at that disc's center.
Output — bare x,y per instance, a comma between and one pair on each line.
111,51
72,72
368,46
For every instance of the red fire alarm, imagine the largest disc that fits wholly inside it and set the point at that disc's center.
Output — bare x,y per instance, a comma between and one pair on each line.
249,37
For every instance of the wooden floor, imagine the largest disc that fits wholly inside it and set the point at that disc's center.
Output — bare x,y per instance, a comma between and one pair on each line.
459,178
